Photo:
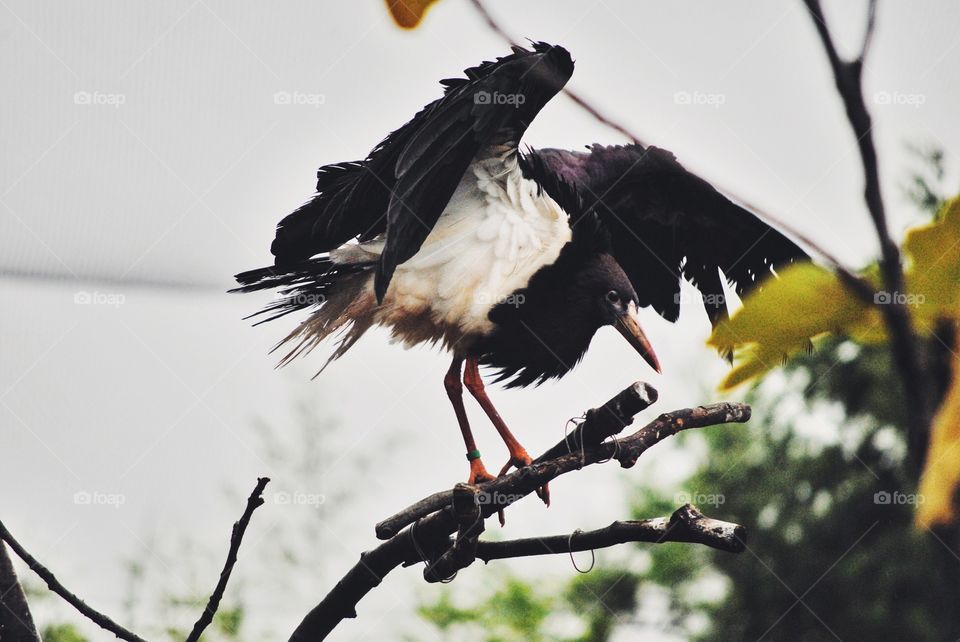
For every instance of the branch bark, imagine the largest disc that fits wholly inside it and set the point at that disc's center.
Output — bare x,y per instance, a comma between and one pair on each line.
848,79
427,525
104,621
71,598
687,524
16,622
599,424
236,537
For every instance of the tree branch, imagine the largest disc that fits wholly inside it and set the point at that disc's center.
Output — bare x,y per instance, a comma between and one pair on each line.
599,423
847,77
16,622
54,585
104,622
687,524
428,524
236,537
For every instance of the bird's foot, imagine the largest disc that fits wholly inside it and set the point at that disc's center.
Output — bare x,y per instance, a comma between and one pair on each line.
519,458
478,472
479,475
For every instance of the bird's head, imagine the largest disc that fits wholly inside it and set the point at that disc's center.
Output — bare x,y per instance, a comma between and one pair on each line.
606,295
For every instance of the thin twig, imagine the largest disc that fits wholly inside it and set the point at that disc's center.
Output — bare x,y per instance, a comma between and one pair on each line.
847,76
108,624
253,502
54,585
859,286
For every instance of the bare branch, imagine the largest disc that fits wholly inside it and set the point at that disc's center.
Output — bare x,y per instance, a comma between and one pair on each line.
54,585
16,622
599,423
847,76
466,507
104,622
687,524
426,537
236,537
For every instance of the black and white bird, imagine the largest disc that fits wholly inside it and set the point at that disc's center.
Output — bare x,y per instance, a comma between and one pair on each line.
448,233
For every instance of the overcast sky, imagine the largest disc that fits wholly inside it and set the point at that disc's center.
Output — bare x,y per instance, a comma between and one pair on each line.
145,144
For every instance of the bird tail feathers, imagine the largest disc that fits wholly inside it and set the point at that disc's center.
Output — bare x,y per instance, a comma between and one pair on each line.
339,296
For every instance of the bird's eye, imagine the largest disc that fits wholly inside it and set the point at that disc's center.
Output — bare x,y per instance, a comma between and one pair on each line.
613,296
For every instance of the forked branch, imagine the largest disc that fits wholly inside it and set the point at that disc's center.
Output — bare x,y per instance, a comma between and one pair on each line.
421,533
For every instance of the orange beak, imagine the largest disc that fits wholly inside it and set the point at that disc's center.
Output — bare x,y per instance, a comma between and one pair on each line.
629,326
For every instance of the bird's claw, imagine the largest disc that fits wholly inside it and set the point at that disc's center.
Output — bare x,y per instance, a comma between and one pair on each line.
519,460
478,473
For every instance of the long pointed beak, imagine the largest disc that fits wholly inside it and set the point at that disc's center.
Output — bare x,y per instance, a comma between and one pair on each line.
628,325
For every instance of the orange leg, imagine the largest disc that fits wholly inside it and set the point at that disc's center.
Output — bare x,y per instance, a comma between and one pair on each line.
478,473
518,454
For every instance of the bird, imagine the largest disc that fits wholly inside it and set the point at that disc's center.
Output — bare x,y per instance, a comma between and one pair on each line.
510,259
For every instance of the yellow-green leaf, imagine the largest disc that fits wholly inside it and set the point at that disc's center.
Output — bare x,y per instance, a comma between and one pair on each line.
408,13
933,276
786,314
941,472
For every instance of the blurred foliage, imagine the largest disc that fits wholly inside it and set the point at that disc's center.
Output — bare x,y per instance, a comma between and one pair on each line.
513,612
517,611
831,551
808,302
61,633
925,188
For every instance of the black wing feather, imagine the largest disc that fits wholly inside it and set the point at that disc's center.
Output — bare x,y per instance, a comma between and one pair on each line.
667,224
405,183
468,119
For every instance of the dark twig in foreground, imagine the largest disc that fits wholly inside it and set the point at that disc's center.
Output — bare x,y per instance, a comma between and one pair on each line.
848,78
105,622
253,502
16,622
54,585
426,537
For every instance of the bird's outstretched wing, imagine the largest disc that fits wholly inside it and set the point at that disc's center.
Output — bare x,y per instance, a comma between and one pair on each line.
405,183
667,224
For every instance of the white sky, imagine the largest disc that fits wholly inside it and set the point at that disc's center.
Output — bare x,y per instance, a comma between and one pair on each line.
184,181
